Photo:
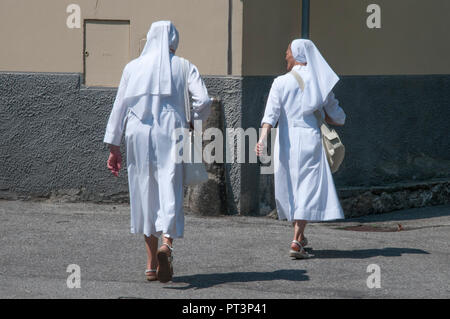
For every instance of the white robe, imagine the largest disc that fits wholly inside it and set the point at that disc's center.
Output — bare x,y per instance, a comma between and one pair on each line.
304,186
155,180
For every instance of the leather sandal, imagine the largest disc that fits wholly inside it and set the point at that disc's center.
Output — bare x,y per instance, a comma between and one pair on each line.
164,271
304,242
298,254
150,274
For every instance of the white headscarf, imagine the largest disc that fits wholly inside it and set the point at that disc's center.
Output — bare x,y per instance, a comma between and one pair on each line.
153,74
320,78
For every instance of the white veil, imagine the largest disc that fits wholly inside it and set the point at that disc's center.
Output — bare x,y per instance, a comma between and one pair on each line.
152,73
320,78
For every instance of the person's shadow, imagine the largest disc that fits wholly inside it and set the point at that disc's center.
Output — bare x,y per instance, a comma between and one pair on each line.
200,281
365,253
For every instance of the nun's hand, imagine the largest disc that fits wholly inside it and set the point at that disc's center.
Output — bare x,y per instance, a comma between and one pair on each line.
259,148
330,121
114,163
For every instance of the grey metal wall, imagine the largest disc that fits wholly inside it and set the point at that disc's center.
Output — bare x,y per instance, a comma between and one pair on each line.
51,131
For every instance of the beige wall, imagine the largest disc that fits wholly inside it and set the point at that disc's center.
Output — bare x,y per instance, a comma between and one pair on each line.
413,39
34,36
268,28
236,36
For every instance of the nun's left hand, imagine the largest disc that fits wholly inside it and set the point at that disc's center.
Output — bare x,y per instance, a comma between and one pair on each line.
330,121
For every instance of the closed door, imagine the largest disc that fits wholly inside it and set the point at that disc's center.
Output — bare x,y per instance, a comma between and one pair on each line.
107,51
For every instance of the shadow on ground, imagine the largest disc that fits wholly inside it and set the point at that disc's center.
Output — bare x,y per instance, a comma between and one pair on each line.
366,253
209,280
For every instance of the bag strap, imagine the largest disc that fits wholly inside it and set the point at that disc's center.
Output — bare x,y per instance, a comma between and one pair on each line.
187,105
299,79
301,83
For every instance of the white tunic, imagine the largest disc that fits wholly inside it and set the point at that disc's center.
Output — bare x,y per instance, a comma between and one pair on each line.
304,186
155,180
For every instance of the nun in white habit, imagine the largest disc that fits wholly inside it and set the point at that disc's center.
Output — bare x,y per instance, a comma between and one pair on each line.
150,104
304,187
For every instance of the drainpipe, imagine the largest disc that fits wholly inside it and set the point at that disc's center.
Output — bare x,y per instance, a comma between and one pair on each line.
230,40
305,19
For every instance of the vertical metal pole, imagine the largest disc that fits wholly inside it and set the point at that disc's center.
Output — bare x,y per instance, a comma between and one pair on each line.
305,19
230,39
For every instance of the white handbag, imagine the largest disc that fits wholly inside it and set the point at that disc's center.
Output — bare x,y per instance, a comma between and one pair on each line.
331,141
193,173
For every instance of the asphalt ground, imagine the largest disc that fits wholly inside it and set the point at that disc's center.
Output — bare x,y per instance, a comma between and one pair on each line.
222,257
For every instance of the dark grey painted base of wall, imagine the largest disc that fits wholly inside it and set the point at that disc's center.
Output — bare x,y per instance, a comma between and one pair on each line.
51,130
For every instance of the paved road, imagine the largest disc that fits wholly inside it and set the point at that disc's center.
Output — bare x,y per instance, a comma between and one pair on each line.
222,257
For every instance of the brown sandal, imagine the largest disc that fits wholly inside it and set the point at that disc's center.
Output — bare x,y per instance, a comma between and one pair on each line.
164,272
150,274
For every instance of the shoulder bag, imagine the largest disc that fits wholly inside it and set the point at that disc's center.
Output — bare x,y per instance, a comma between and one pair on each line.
193,173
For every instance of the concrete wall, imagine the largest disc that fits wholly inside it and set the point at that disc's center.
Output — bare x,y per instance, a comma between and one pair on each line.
394,88
269,26
35,38
51,133
396,129
52,129
413,38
